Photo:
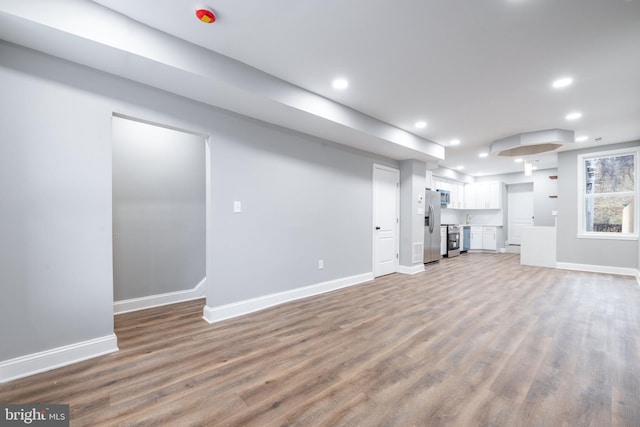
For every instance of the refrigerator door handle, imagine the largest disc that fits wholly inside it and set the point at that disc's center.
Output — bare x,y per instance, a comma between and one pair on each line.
431,219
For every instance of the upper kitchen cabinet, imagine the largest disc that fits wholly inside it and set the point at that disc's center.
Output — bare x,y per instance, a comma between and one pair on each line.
483,195
455,189
429,181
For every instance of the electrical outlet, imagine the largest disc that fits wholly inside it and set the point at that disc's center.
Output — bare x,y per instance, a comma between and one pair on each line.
320,264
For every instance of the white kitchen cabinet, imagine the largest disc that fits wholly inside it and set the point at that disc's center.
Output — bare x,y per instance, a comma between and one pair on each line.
483,195
489,238
492,238
443,240
485,238
469,196
457,195
493,195
475,238
455,189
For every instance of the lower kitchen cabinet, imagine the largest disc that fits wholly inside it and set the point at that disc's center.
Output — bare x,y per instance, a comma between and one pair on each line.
475,238
485,238
489,242
443,240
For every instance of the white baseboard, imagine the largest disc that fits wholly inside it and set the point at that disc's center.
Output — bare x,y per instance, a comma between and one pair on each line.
597,268
151,301
35,363
418,268
228,311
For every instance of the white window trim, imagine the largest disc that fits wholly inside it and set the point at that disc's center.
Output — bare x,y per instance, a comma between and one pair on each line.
581,185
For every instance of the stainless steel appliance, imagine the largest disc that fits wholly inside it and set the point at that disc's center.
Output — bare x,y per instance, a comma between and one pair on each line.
466,230
445,197
431,226
453,240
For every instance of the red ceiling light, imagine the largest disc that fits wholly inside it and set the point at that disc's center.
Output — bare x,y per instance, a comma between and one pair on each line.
206,16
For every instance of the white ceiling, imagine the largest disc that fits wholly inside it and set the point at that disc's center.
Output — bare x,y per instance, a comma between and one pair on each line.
476,71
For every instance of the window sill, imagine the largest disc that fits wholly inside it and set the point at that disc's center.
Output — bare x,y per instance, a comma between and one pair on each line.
607,236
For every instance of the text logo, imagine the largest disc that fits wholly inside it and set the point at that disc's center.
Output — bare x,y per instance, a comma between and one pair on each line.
34,415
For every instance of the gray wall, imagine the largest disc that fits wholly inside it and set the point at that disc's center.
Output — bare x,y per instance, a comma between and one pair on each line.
158,209
302,198
55,212
570,249
543,187
412,184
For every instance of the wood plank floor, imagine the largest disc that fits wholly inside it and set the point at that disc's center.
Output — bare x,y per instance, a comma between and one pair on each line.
477,340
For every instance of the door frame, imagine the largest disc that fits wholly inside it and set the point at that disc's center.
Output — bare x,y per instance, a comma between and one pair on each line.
200,290
377,166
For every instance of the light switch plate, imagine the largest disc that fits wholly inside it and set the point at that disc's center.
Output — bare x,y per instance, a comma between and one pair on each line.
237,206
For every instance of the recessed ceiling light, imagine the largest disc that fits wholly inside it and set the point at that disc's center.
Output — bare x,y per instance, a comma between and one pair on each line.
483,155
454,142
518,160
340,84
460,167
564,82
582,138
421,124
574,116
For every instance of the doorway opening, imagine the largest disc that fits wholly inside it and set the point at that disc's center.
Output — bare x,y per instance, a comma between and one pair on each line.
160,214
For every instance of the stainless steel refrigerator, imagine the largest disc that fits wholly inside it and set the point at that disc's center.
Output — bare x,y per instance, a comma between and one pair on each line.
431,226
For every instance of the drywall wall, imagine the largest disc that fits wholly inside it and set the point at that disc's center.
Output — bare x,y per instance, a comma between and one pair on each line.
303,198
543,187
571,249
158,209
412,187
55,227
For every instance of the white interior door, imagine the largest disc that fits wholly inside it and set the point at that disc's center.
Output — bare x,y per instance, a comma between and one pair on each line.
385,220
520,210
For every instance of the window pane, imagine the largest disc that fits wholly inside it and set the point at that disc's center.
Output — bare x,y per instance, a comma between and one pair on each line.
609,174
609,214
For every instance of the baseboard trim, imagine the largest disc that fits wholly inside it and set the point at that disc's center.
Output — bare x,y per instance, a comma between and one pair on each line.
419,268
228,311
43,361
142,303
623,271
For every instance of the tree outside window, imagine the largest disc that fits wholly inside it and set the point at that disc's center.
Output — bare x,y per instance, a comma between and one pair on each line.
608,193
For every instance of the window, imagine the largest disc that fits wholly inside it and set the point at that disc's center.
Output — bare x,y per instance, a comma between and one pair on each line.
607,194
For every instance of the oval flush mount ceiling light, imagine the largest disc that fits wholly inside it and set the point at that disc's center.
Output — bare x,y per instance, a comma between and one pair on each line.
421,124
574,116
524,144
205,15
